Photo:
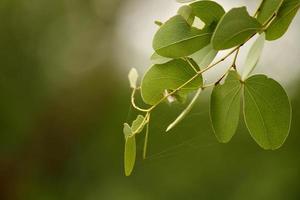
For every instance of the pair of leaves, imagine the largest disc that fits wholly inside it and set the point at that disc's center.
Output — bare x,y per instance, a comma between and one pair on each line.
130,144
267,110
168,77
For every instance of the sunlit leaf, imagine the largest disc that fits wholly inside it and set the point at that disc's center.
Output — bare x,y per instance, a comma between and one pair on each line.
267,9
204,56
185,112
157,59
168,76
133,76
267,111
253,56
187,13
129,151
225,107
235,28
281,23
208,11
138,124
176,38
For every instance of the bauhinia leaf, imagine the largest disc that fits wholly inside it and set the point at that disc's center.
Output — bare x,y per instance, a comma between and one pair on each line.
185,112
268,9
130,150
168,77
187,13
176,38
235,28
157,59
205,56
281,23
133,76
138,124
253,56
208,11
225,107
267,111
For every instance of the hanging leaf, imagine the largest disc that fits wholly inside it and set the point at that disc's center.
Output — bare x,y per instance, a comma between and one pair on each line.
138,124
235,28
267,111
204,56
281,23
157,59
130,150
187,13
133,76
253,56
225,107
185,112
168,76
176,38
208,11
267,9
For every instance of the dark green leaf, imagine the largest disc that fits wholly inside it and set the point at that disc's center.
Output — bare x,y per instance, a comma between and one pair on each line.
281,23
176,38
225,107
253,56
235,28
267,111
268,9
208,11
168,76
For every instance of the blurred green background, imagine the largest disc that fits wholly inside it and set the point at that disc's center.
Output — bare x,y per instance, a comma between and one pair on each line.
64,97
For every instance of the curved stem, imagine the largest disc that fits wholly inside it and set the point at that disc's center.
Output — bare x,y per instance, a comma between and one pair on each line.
133,102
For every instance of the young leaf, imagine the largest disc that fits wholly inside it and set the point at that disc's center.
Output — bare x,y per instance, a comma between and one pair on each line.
225,107
185,112
267,111
138,124
208,11
133,76
267,9
168,76
176,38
130,150
253,56
234,29
204,56
157,59
187,13
281,23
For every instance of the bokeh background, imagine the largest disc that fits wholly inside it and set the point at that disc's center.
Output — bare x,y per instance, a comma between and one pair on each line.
64,97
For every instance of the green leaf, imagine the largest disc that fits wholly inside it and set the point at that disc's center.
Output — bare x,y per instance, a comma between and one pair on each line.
176,38
133,76
130,150
208,11
267,111
267,9
281,23
204,56
168,76
225,107
253,56
187,13
185,112
235,28
157,59
138,124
